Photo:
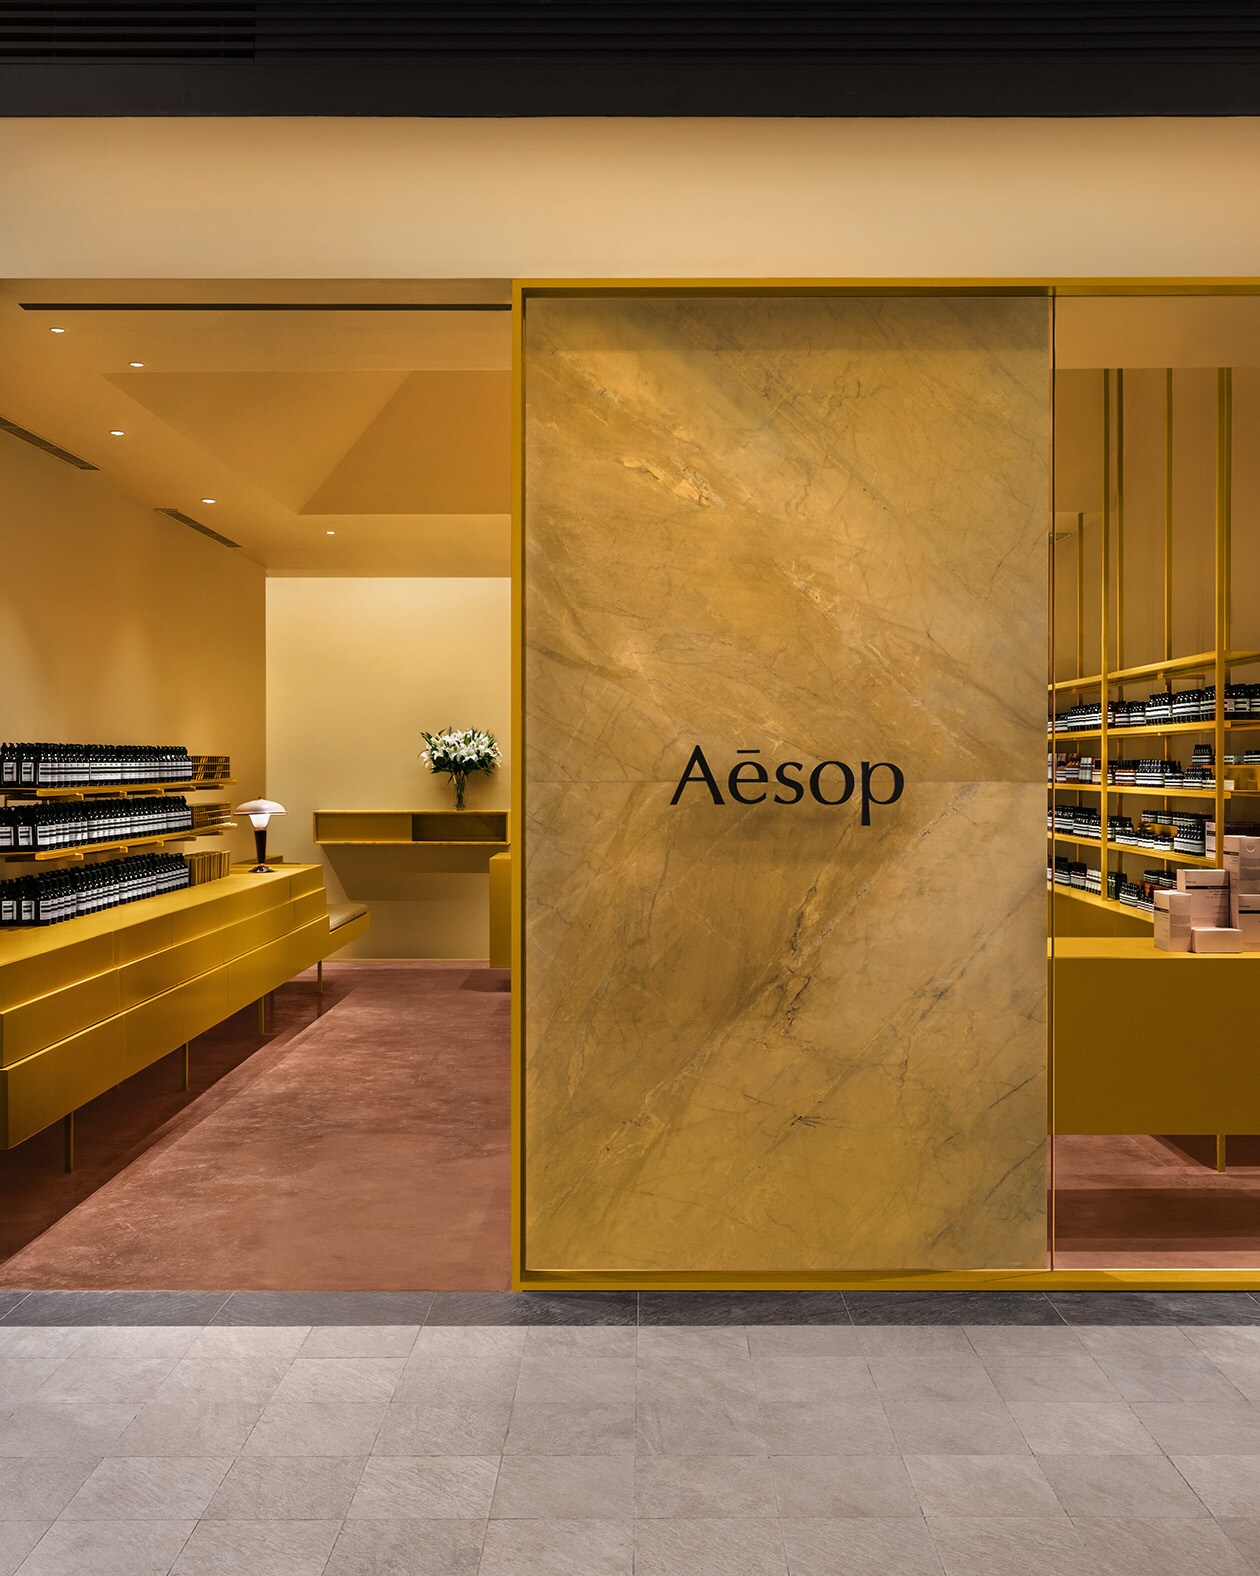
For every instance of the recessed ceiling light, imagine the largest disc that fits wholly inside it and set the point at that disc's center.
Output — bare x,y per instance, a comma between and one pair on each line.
209,500
56,330
330,533
135,363
116,433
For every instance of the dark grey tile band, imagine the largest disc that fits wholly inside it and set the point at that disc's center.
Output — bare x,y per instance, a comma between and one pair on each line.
627,1307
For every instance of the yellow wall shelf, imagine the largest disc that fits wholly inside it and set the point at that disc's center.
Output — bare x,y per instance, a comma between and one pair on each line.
1166,856
118,790
411,828
28,855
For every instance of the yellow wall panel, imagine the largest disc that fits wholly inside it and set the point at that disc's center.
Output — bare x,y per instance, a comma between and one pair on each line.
763,1037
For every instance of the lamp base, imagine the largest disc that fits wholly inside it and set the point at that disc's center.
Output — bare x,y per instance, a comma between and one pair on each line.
262,870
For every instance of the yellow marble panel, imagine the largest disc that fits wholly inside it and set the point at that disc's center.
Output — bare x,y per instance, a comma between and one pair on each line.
766,1037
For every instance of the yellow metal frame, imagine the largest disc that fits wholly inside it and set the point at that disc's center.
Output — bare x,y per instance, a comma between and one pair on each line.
977,1279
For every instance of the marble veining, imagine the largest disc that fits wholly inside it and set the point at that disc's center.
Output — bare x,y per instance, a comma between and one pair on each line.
765,1037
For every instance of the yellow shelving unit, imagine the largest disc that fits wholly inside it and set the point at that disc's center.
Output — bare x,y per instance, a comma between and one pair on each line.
1113,675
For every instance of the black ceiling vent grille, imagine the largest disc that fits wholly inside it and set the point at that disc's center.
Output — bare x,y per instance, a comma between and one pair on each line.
196,525
158,30
58,453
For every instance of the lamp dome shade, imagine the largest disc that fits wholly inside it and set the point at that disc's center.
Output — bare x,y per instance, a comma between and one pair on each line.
259,810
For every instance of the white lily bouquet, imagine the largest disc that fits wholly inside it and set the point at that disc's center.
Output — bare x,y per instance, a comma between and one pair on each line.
459,752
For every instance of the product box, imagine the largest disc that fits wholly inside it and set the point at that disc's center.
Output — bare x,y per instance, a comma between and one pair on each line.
1209,893
1172,920
1216,938
1247,920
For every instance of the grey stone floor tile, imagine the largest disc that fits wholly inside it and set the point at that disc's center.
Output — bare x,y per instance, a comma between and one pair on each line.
955,1428
360,1340
17,1539
843,1486
117,1307
1241,1372
325,1307
677,1380
988,1486
444,1428
41,1340
286,1488
1191,1378
551,1429
63,1428
340,1381
1121,1487
1082,1428
315,1429
534,1307
119,1381
1138,1340
564,1488
791,1342
699,1428
742,1307
9,1300
576,1379
1156,1307
557,1340
1244,1533
457,1381
38,1488
235,1343
21,1378
148,1488
1153,1546
961,1377
951,1307
249,1378
502,1342
407,1548
1063,1378
1187,1428
826,1428
188,1427
699,1343
1025,1340
709,1547
252,1548
859,1546
1228,1485
409,1487
1215,1341
137,1340
109,1548
1013,1546
915,1343
807,1379
667,1487
560,1548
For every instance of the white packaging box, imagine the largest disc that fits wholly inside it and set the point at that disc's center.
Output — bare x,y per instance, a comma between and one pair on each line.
1216,938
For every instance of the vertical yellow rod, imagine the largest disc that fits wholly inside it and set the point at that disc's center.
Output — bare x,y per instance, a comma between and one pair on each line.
1119,517
1080,596
1168,517
186,1062
1052,664
1221,620
67,1133
1220,1151
1104,619
262,1015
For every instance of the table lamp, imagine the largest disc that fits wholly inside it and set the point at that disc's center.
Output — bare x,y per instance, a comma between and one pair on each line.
260,811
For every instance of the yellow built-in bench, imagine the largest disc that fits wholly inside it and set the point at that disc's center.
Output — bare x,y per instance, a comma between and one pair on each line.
87,1003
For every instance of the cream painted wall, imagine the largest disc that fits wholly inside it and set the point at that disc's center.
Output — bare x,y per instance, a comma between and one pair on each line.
482,198
355,669
122,626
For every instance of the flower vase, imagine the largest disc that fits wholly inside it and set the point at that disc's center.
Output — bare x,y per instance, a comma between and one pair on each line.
461,782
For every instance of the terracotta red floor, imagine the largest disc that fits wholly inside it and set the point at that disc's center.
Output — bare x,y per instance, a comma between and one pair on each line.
1158,1203
361,1145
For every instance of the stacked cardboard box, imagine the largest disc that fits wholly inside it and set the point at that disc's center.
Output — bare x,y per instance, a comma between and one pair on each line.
1214,910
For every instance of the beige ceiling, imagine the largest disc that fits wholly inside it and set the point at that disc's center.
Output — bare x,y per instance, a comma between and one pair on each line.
391,429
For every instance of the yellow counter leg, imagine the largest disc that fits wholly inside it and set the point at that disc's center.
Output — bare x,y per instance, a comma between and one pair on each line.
262,1015
185,1064
67,1128
1220,1151
319,976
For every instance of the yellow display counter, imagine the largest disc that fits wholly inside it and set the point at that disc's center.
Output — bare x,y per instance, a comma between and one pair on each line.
1154,1042
87,1003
